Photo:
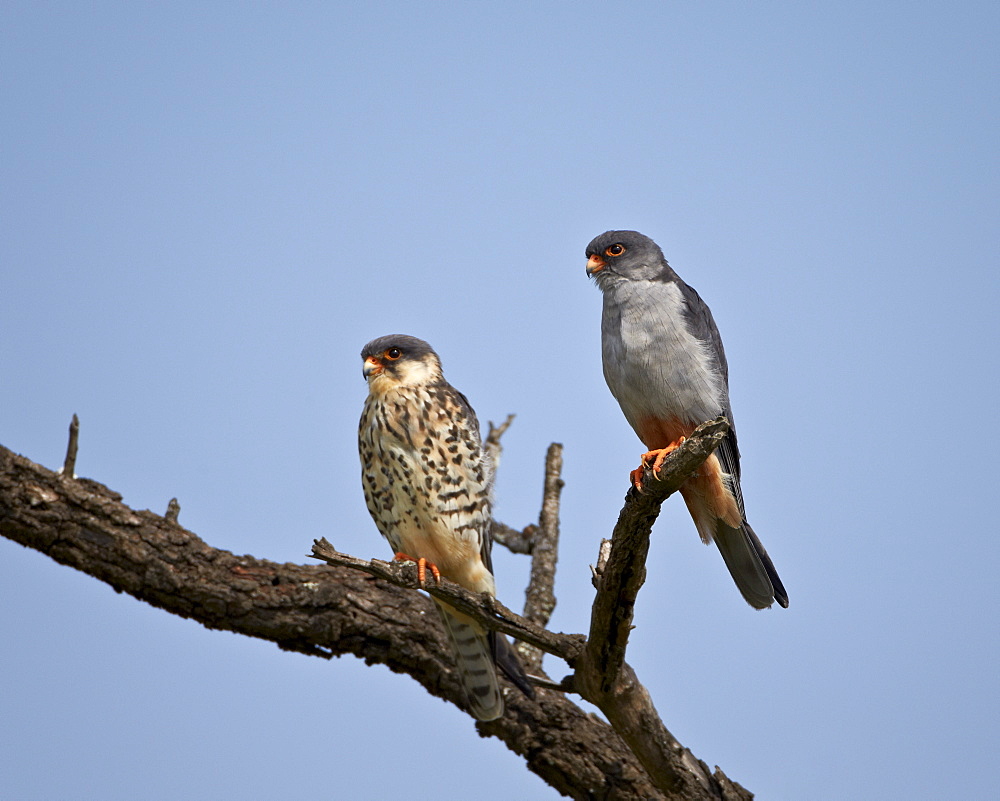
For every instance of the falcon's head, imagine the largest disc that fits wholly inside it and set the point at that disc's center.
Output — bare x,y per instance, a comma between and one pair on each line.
625,255
399,360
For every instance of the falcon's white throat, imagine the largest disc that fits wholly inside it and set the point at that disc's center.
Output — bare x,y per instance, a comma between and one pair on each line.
406,373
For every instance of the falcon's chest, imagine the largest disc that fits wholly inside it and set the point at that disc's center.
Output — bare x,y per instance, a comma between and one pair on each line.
424,478
653,364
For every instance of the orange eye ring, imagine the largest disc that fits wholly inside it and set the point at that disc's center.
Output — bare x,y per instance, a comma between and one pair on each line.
392,354
614,250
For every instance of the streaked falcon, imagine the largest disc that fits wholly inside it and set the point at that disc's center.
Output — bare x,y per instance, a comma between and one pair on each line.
664,363
428,488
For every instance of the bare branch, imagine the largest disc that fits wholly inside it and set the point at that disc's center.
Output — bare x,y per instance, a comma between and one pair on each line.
517,541
671,766
491,445
332,610
316,610
540,598
69,465
514,540
596,571
480,606
602,675
625,571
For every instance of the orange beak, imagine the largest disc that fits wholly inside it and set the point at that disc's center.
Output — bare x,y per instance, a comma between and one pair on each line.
595,264
372,367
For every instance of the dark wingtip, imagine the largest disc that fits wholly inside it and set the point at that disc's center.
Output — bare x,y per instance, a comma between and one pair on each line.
507,661
781,596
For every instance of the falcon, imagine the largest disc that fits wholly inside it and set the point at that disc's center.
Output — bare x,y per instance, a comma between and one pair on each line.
664,363
428,488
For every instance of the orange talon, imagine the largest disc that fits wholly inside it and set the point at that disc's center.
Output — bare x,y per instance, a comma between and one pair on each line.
662,454
636,477
422,566
653,460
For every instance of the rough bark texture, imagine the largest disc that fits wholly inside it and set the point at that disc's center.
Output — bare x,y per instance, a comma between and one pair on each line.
624,572
324,610
540,597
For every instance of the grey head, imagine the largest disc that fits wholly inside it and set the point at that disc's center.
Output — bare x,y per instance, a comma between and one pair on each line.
396,356
628,255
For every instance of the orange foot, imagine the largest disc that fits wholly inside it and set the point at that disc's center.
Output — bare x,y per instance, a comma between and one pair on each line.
422,567
653,460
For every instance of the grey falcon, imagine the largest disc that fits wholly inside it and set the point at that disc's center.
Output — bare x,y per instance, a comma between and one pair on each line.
665,364
428,487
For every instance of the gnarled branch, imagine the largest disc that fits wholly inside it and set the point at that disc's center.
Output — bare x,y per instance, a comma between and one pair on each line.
625,570
369,609
540,597
489,611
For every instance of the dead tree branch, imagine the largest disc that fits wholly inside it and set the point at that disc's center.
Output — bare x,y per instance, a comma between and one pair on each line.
541,541
513,540
488,610
602,676
491,445
540,596
625,571
312,609
369,609
69,464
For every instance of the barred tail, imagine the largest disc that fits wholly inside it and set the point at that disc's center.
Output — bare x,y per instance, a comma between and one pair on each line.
476,667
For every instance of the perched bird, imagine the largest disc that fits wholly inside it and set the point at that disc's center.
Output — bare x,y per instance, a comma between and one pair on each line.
428,487
664,363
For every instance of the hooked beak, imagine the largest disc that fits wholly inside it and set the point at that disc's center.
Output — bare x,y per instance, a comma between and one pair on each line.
372,367
595,264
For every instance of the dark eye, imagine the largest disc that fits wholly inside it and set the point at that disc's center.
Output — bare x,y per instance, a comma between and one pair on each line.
615,250
393,353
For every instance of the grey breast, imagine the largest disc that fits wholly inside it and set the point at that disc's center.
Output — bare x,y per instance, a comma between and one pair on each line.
654,366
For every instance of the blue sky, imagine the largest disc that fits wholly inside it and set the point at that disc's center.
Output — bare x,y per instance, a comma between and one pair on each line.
209,208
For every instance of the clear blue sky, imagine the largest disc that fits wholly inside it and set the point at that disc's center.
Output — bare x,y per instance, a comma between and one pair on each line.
209,208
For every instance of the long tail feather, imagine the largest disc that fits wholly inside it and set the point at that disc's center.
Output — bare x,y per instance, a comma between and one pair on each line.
476,667
750,566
